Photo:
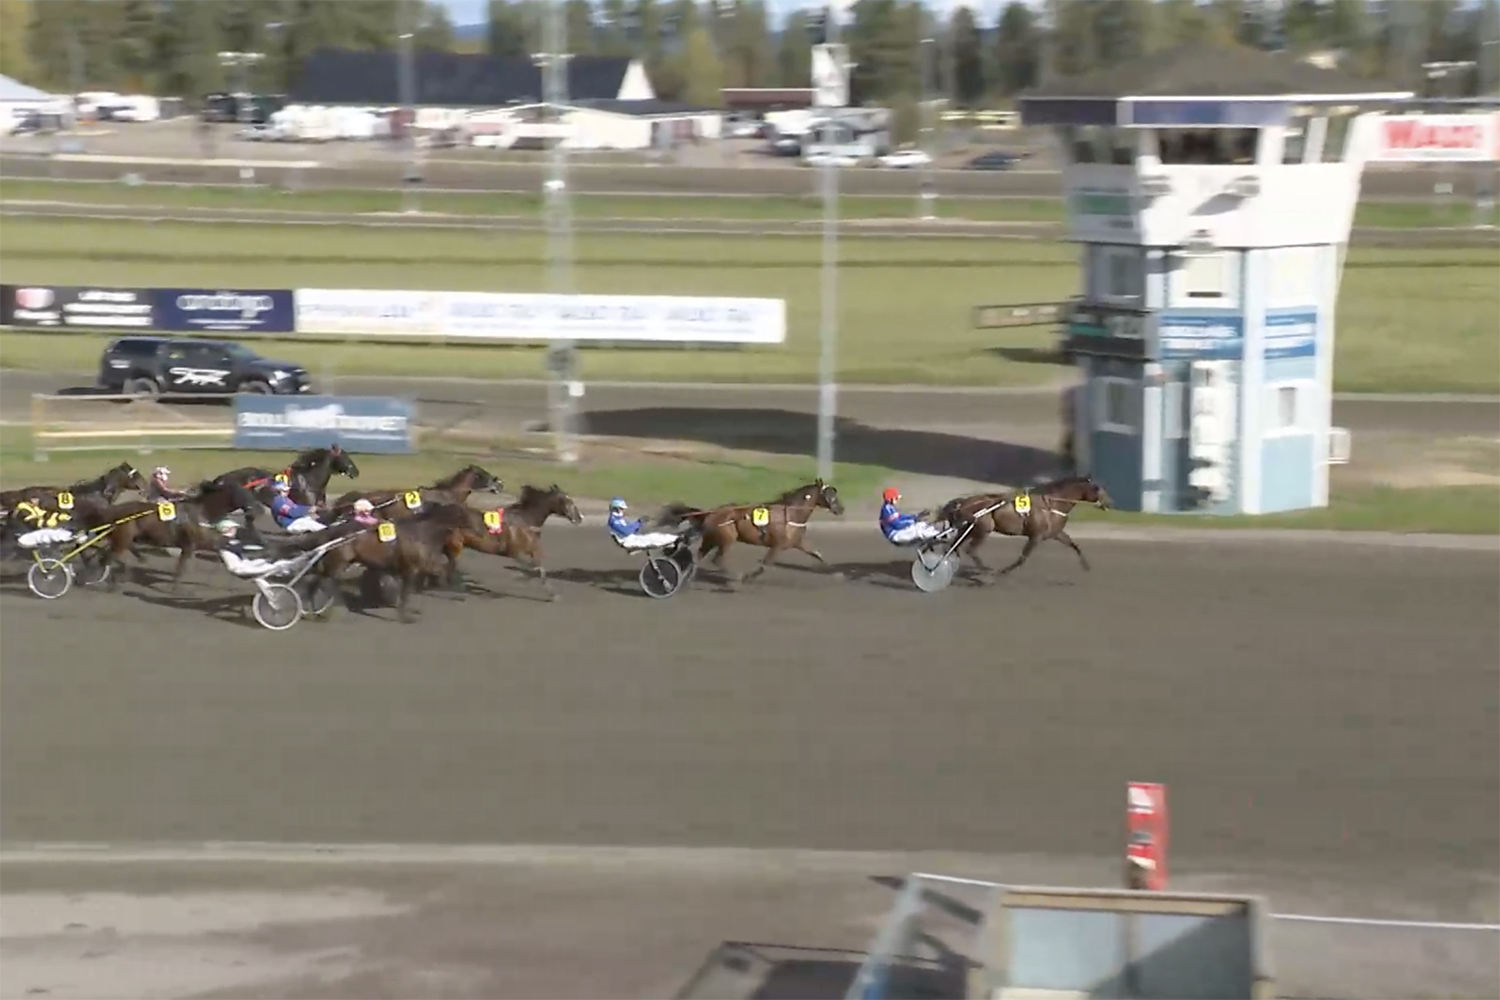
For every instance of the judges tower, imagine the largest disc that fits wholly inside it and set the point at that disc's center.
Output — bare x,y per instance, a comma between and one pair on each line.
1211,191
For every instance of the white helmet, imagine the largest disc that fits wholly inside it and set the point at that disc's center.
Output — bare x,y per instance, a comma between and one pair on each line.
363,506
161,472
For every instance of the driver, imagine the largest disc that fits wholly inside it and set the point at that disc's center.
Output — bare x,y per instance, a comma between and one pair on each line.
629,534
159,489
292,516
903,529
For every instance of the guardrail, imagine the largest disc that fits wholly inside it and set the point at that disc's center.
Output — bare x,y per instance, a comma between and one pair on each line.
478,318
110,422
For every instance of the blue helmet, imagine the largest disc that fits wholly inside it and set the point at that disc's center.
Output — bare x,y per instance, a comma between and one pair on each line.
618,503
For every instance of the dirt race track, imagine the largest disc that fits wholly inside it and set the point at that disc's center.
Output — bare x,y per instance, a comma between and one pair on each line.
1326,717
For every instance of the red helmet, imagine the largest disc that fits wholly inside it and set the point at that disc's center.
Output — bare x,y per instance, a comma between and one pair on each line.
891,495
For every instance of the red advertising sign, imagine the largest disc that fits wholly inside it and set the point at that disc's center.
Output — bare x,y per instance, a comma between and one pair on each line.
1426,138
1146,836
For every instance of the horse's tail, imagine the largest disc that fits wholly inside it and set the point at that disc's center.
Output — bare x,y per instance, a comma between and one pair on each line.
677,512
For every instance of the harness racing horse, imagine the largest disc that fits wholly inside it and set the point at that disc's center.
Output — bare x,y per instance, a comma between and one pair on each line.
23,508
308,475
185,524
777,526
514,531
1037,515
396,505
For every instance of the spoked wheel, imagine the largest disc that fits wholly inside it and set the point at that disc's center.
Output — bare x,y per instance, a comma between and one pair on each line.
660,577
933,570
93,569
277,606
319,595
49,579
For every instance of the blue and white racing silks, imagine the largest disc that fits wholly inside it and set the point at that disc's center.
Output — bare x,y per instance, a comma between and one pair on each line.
286,510
619,527
892,520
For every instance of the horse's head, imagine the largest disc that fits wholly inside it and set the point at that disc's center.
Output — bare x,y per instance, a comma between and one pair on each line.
829,497
1082,489
340,462
124,477
562,505
482,481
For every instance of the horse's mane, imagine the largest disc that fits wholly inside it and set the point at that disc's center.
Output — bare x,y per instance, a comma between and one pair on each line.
446,483
796,494
534,495
1065,481
309,458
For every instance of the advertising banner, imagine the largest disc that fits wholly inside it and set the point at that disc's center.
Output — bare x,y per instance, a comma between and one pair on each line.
369,311
41,306
1437,138
1292,334
1200,337
625,318
194,310
373,424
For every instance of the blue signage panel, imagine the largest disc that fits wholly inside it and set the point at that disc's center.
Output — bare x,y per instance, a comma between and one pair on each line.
1292,334
225,310
1200,336
377,424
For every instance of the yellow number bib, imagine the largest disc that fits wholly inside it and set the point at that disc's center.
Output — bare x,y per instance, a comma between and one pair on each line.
412,499
166,511
386,532
1022,503
65,501
760,517
283,478
492,520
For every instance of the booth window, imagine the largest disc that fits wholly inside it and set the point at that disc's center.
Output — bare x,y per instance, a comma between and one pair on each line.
1296,139
1205,276
1086,144
1335,138
1213,146
1121,276
1121,144
1119,405
1289,408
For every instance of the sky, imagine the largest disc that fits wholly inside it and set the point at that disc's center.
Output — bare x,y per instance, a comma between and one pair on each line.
473,11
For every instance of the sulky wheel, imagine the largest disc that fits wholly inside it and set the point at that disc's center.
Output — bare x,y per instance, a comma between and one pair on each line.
276,606
932,571
49,579
660,577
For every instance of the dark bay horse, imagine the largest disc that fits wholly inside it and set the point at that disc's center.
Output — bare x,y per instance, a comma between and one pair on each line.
396,505
778,525
74,501
1036,514
308,475
186,524
514,531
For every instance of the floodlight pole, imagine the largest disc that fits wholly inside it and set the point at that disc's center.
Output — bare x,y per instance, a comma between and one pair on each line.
828,328
928,197
562,354
406,81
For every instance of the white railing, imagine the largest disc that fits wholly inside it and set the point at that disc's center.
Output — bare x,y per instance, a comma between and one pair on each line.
140,424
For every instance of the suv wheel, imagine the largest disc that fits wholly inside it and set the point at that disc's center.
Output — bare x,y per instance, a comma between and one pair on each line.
255,387
142,387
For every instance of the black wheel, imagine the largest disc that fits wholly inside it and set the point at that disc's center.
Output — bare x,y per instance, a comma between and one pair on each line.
660,577
686,561
49,579
255,387
91,568
141,387
318,594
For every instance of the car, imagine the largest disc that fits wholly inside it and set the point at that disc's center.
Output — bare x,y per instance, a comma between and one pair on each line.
904,159
150,366
993,161
818,159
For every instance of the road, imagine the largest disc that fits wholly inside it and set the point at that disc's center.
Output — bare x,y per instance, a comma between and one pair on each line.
364,167
1325,717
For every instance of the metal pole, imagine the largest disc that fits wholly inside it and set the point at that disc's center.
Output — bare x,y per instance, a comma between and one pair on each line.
927,198
562,355
828,330
407,83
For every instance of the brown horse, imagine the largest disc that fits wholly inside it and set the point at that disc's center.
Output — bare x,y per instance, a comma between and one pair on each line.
397,505
1037,515
411,551
777,526
48,506
185,525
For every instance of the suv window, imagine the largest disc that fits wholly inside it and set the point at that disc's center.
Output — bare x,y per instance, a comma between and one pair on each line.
177,354
206,356
134,348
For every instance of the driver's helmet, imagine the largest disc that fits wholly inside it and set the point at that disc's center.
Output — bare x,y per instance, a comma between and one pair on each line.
228,527
891,495
363,506
161,473
618,504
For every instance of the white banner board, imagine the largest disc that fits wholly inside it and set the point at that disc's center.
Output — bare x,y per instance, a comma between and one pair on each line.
520,317
830,76
1437,138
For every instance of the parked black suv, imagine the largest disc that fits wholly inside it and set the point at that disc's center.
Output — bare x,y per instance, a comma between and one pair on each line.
152,365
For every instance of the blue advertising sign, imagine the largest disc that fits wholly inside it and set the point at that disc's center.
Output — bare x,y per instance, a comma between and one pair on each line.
377,424
206,310
1201,336
1292,334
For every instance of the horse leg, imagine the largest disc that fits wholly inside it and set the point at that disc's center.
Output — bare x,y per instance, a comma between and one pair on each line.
1066,539
408,578
1031,543
716,545
801,547
765,564
185,555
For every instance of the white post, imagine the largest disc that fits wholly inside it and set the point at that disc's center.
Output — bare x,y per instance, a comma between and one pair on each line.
562,355
828,328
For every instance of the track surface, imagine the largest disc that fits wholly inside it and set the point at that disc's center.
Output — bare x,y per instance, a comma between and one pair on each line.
1308,706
